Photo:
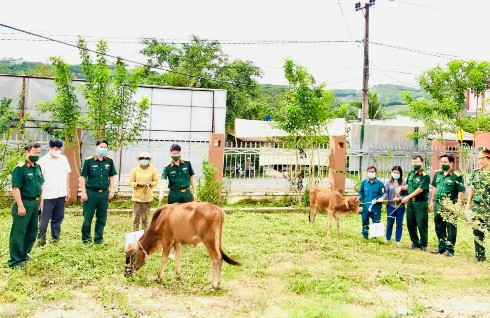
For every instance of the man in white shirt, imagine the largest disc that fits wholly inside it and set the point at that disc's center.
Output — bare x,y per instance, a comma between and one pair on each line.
56,171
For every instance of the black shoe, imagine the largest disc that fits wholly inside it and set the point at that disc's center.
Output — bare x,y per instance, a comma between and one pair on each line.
449,254
437,252
413,246
480,259
423,248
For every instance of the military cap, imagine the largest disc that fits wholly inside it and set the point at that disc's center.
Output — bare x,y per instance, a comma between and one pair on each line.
484,152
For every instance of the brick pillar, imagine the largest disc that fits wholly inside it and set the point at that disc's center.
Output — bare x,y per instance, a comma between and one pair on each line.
337,162
450,146
216,153
72,153
481,140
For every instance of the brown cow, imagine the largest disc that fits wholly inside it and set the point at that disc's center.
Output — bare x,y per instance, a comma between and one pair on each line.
323,199
187,223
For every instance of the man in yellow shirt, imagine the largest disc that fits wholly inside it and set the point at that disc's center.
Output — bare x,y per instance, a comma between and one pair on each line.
143,179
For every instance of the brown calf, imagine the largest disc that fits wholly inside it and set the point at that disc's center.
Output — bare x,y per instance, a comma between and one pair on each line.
323,199
175,224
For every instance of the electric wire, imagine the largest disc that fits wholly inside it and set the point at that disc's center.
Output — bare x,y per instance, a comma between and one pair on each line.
117,57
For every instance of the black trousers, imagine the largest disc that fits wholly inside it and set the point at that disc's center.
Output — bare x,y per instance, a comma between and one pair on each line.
54,211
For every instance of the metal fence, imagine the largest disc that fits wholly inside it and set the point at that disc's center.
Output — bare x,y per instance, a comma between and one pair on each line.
385,157
125,159
272,167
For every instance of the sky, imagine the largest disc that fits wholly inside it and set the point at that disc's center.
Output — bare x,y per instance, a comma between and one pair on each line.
406,37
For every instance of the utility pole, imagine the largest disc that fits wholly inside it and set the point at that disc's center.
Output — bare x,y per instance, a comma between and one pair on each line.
365,75
365,71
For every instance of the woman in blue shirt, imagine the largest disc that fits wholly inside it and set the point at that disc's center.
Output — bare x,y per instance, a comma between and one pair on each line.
394,209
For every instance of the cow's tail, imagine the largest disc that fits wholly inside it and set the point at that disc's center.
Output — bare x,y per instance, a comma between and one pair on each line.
219,235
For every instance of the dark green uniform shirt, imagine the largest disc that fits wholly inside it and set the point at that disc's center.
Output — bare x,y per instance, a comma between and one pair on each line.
97,172
179,177
419,180
28,179
448,186
480,182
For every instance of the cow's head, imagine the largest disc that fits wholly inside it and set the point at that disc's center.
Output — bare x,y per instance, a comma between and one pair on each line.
135,258
352,204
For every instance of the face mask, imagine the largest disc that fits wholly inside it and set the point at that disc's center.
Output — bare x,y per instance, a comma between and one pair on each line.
395,176
416,167
371,175
175,158
445,167
33,158
102,151
144,162
55,153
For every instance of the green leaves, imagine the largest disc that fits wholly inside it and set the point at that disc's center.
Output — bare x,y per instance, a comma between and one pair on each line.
448,88
64,107
209,190
202,63
113,113
305,107
127,116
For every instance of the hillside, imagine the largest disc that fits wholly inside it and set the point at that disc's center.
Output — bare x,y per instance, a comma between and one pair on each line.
389,94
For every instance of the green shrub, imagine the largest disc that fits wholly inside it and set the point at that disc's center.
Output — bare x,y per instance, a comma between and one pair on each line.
209,190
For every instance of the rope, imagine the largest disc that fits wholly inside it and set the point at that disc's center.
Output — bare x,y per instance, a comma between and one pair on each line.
146,254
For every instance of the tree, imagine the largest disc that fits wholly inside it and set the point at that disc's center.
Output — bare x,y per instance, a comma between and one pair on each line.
305,111
63,109
127,116
376,108
202,63
9,123
448,88
97,90
113,113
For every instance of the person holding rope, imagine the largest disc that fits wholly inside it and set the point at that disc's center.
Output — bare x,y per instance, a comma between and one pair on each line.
417,208
370,191
449,184
142,180
395,210
479,202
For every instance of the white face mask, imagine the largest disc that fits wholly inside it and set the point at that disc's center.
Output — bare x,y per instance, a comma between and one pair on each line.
371,175
395,176
55,153
144,162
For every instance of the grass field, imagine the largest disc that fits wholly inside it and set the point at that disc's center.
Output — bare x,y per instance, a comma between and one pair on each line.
290,269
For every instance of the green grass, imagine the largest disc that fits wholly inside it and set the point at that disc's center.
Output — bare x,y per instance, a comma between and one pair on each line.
289,268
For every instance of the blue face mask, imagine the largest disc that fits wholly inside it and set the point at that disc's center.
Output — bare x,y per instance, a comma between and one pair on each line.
102,151
395,176
144,162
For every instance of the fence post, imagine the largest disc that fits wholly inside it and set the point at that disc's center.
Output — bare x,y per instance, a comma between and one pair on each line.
216,153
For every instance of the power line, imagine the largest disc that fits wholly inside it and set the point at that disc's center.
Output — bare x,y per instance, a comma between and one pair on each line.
395,79
442,55
416,4
118,57
345,20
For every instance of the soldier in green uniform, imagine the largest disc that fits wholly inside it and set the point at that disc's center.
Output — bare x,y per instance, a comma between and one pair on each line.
27,180
417,203
180,177
97,186
449,184
479,201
